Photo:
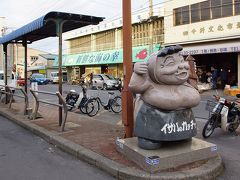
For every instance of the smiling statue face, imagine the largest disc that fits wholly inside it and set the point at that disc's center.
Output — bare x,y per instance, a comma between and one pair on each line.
172,69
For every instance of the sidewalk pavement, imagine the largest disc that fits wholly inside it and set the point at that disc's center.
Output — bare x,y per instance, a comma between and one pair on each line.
93,140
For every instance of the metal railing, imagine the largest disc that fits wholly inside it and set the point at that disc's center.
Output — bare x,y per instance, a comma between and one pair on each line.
8,90
62,105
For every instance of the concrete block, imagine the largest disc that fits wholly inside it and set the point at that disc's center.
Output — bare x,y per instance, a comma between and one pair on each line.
170,155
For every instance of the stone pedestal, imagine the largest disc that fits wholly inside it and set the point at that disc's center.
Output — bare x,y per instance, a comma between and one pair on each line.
170,155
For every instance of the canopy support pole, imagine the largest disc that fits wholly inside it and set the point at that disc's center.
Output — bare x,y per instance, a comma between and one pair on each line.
25,63
5,67
59,26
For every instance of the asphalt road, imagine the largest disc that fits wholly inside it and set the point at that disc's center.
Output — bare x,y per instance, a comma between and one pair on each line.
24,156
229,149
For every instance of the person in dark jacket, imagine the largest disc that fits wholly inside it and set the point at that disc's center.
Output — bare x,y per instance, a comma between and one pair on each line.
223,76
214,77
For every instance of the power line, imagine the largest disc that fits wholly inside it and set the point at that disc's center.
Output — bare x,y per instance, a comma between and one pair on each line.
78,46
41,7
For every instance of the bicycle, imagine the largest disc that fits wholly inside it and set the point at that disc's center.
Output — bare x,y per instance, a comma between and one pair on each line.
84,104
113,104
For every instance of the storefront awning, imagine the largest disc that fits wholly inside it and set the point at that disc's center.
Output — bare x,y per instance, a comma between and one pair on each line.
140,53
213,48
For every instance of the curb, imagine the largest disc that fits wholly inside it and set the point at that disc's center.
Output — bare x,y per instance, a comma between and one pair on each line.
210,170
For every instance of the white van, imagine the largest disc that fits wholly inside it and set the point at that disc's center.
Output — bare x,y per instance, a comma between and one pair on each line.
12,82
54,77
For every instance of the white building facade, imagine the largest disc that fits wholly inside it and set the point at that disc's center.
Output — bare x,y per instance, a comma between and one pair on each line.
99,49
209,30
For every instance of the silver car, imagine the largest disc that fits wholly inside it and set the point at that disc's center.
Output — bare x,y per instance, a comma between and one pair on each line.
105,81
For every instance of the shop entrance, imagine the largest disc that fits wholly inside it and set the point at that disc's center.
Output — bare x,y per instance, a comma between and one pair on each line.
225,63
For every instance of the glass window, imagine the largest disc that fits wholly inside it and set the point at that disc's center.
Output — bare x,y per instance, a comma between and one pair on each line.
177,16
237,7
216,8
205,10
38,76
97,77
227,8
1,76
195,13
109,76
185,15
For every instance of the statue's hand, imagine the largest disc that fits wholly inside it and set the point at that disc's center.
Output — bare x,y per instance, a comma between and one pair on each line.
140,68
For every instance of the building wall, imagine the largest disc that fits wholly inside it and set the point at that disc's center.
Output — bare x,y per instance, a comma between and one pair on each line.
16,54
209,30
208,34
112,39
107,36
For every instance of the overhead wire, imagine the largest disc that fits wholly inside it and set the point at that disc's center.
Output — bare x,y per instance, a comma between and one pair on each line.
78,46
35,12
109,20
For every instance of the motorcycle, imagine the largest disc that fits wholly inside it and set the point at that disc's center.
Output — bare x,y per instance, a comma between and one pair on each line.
224,115
73,100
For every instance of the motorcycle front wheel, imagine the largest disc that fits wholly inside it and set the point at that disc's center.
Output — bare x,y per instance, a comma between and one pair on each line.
209,126
82,107
69,105
93,107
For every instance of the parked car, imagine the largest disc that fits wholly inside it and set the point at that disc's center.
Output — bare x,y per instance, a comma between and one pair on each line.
20,81
105,81
39,78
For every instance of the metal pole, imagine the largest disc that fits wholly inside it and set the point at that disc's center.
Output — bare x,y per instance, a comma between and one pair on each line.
25,64
59,25
127,99
151,26
5,65
5,70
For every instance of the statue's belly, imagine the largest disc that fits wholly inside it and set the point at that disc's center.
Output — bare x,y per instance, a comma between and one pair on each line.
160,125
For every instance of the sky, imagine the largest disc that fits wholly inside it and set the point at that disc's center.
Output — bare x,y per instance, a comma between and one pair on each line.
20,12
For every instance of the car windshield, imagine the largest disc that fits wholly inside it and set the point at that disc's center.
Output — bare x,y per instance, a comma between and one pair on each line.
109,76
38,76
54,74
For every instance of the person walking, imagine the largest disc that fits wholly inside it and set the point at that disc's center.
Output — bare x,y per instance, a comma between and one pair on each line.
223,76
214,77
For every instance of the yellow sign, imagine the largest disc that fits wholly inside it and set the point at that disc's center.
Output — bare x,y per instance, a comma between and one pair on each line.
42,71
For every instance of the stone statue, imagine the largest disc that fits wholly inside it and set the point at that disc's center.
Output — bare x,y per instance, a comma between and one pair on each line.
193,78
164,98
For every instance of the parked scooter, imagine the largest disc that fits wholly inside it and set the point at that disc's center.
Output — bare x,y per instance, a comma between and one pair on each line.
73,100
224,115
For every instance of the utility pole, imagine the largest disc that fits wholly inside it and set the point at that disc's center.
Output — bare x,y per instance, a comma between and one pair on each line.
151,26
127,98
150,8
3,32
